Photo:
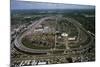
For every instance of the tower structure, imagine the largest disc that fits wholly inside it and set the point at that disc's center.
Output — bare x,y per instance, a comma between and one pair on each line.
65,38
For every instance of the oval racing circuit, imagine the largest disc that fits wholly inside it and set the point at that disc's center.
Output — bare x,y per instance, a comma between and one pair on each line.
20,46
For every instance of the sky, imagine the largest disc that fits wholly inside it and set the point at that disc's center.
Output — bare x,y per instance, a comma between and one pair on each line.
15,4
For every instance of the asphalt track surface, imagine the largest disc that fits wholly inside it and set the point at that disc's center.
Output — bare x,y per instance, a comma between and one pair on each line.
83,34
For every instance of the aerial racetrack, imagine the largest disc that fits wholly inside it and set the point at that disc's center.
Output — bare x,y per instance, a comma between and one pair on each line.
45,36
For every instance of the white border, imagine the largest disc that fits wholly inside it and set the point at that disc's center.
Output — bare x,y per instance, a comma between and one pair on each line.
83,2
4,33
5,37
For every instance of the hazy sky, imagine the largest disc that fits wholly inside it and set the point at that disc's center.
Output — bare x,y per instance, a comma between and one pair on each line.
36,5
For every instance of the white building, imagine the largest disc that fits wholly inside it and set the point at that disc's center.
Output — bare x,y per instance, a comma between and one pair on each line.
72,38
